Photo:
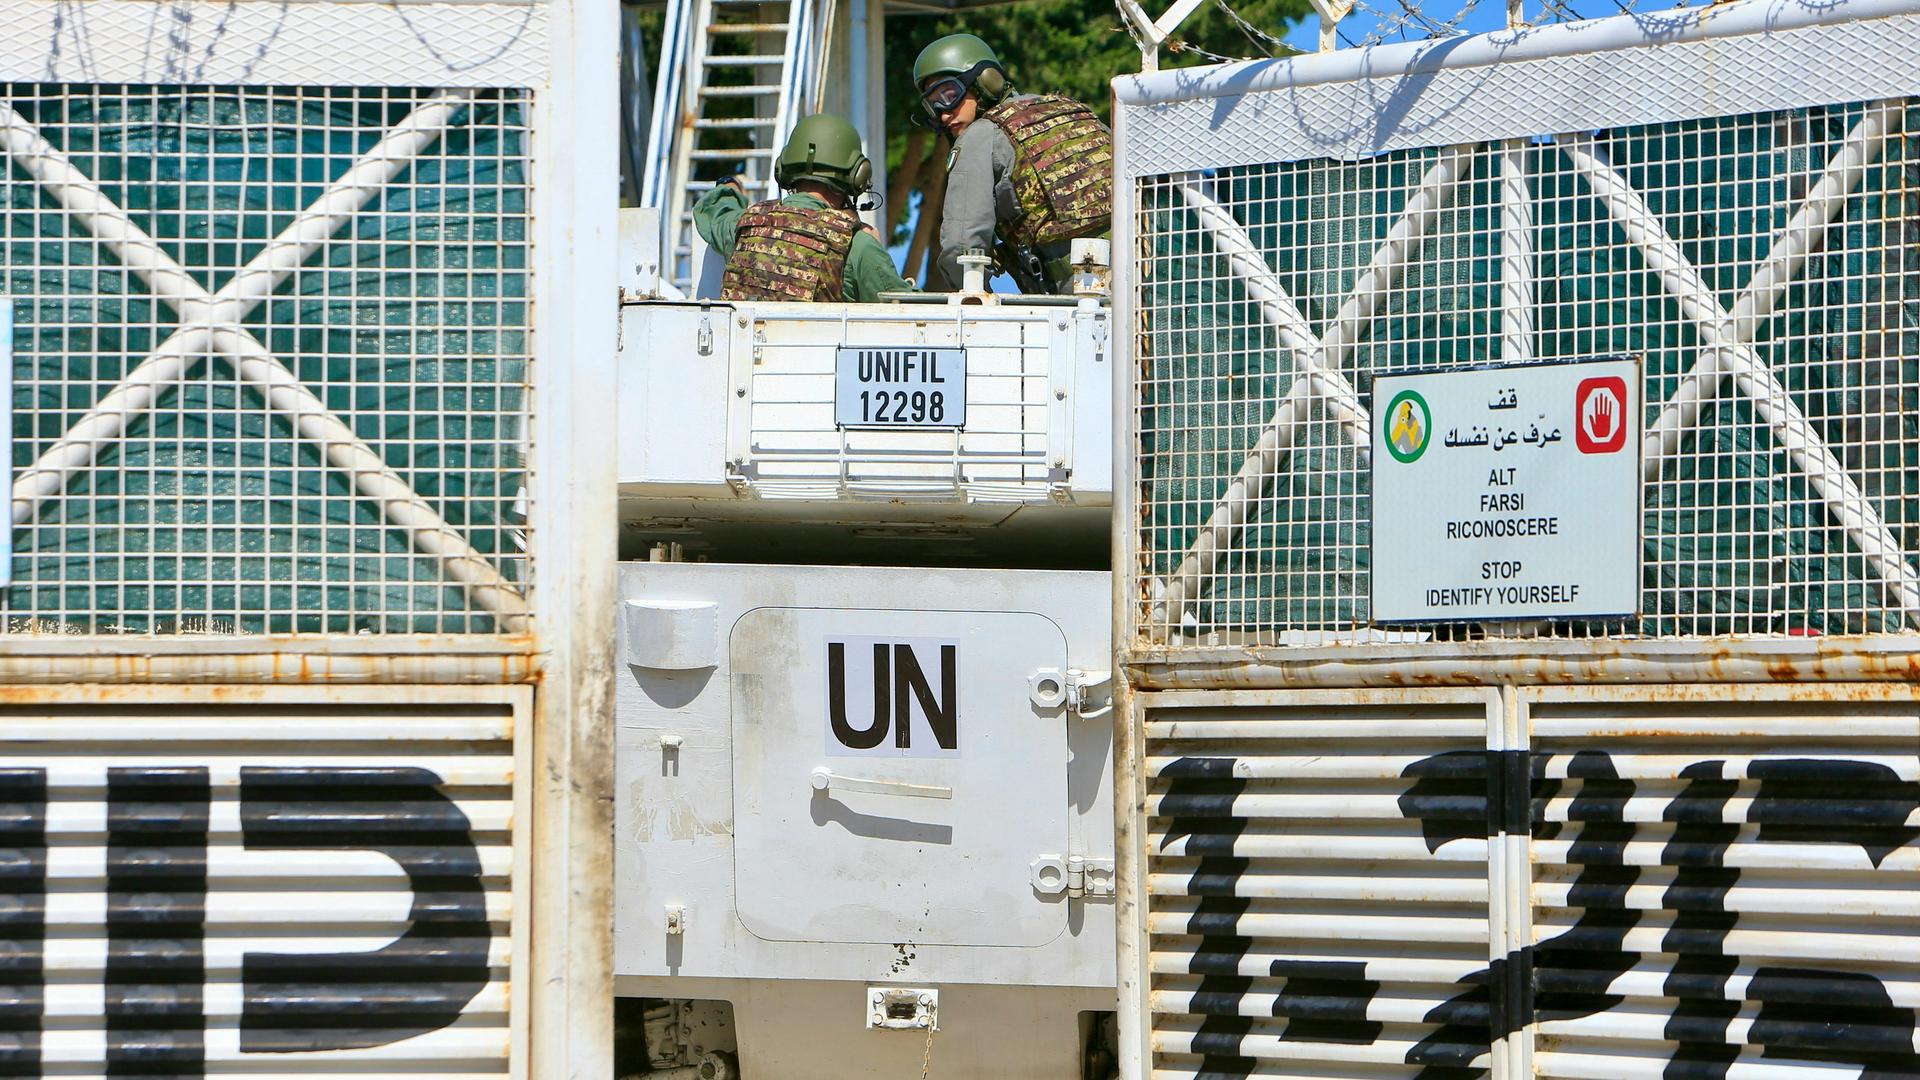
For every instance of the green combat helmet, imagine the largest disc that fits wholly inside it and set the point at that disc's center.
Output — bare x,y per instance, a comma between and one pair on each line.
954,64
825,148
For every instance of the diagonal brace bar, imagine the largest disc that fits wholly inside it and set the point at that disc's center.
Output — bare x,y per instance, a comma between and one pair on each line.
334,210
1289,323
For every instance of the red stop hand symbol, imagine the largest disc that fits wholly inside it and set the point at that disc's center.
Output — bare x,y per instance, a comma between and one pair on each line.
1600,415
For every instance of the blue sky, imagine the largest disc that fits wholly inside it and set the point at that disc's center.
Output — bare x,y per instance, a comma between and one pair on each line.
1485,15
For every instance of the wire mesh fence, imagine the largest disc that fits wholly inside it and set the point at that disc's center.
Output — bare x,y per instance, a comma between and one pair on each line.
1762,265
271,358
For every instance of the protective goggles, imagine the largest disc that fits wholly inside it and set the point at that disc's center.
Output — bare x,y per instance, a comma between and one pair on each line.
944,95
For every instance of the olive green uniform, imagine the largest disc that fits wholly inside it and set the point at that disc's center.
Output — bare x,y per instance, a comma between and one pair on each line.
869,271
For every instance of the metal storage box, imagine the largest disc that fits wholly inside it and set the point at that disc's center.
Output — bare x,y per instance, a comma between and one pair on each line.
728,418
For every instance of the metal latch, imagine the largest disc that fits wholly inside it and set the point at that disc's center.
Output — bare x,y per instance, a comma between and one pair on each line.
826,780
1051,688
703,338
903,1008
1074,875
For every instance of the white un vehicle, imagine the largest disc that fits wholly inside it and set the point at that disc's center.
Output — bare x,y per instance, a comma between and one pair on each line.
865,800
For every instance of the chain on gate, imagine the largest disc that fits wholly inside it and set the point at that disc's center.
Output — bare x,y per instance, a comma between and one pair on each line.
926,1055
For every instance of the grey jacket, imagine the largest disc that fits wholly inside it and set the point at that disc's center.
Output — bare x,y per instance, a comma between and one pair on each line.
980,194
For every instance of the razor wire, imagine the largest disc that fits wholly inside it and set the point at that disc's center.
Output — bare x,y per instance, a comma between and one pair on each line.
1380,22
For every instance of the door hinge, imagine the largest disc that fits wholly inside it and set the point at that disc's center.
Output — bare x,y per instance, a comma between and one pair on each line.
1075,875
1078,690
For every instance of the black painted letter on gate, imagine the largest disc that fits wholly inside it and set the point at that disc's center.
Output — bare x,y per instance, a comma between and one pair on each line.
23,918
157,835
157,920
418,983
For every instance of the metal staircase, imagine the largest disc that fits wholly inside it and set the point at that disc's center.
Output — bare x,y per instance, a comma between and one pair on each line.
734,76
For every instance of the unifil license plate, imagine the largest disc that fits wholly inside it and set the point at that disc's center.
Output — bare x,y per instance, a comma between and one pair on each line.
900,387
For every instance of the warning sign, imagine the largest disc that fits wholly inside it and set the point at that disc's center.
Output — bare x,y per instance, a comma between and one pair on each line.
1600,411
1507,493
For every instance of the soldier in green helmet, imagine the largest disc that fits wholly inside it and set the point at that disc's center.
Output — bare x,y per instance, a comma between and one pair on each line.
808,246
1028,173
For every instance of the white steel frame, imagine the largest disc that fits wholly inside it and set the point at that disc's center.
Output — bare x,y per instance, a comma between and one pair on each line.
576,197
1260,97
1152,32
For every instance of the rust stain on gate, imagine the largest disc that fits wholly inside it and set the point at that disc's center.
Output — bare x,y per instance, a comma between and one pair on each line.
1818,668
29,663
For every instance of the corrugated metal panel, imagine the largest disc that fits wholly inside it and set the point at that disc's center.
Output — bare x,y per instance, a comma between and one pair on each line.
1725,882
1689,881
259,882
1317,882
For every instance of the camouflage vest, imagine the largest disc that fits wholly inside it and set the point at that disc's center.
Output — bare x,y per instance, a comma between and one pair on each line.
1062,169
790,253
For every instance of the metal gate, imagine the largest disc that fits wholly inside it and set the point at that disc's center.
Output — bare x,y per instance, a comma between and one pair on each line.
304,601
270,344
1671,844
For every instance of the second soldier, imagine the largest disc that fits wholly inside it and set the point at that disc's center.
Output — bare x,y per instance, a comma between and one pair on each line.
1028,173
808,246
